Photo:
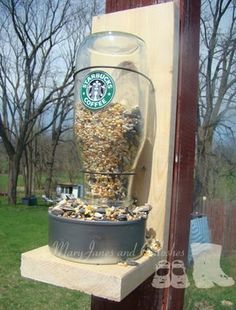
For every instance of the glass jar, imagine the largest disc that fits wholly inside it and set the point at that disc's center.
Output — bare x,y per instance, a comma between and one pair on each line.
111,98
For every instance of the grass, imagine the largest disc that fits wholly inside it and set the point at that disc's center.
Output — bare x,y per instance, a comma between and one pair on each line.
20,185
226,188
3,162
211,299
4,179
3,182
24,228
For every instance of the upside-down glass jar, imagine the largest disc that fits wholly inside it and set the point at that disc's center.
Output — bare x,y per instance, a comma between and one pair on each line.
111,93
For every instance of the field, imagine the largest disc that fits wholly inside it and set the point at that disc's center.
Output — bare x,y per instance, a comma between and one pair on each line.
60,178
3,183
22,229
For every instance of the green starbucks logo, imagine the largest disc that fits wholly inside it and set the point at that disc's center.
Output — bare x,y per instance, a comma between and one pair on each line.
97,90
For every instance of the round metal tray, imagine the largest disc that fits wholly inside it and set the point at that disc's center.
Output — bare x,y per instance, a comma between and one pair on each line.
96,242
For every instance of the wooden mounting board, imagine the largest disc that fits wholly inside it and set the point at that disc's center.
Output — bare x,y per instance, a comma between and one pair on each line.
158,26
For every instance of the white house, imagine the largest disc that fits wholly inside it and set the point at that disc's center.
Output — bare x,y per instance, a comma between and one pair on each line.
64,189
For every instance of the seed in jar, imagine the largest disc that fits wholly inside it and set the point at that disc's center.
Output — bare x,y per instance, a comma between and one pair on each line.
109,143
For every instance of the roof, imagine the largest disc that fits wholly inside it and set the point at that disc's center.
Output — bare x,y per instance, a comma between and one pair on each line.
67,184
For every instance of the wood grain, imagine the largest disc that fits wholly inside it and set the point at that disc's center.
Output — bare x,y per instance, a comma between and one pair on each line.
153,180
113,282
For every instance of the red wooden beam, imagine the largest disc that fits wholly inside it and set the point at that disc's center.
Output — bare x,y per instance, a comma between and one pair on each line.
146,297
121,5
186,124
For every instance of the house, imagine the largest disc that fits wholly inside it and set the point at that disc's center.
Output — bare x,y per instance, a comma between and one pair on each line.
65,189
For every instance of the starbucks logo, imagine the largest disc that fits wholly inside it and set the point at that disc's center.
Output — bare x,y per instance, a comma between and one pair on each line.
97,90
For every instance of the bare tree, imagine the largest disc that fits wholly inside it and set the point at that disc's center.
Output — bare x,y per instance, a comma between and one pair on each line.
217,88
37,50
58,128
3,161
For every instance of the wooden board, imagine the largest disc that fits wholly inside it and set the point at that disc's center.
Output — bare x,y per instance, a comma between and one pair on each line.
158,26
113,282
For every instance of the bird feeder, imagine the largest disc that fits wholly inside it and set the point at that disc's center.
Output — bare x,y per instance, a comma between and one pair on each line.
149,175
112,92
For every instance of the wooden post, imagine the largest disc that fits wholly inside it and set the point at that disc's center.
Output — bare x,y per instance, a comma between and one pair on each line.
146,297
186,123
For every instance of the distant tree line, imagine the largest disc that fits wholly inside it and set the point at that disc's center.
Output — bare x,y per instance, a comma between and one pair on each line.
38,44
215,150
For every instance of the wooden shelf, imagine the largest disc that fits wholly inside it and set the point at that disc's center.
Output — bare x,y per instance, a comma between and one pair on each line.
113,282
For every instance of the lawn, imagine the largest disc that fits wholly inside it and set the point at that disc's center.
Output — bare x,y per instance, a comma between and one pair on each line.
20,184
4,179
3,183
24,228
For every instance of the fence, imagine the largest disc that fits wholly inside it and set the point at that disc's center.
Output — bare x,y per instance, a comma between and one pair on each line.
222,222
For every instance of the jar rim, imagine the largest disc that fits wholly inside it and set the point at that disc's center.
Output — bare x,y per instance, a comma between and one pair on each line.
113,43
114,33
